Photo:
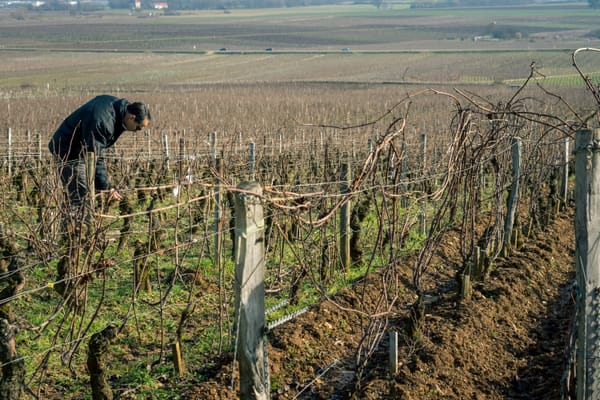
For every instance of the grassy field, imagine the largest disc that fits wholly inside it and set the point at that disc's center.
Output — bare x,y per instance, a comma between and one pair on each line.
396,44
152,71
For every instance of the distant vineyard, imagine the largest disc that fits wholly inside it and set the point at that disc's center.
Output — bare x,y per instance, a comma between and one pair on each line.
572,80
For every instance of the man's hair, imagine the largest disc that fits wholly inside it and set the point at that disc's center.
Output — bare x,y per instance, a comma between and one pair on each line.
140,110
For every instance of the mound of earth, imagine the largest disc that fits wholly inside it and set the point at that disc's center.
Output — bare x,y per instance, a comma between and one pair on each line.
510,340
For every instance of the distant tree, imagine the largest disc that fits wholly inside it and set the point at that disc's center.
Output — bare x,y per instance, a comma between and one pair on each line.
119,3
502,31
594,34
466,3
594,3
19,13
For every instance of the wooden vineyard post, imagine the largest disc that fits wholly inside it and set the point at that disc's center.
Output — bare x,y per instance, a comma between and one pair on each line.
422,202
423,153
513,196
252,161
149,144
10,151
251,342
178,362
564,182
218,212
91,174
466,287
218,241
345,234
28,149
39,148
587,262
404,176
479,264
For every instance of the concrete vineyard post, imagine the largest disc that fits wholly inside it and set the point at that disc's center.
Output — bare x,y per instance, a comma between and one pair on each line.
251,342
166,149
213,144
280,143
587,262
393,353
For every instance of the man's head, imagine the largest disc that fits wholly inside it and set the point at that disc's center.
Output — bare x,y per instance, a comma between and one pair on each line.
137,117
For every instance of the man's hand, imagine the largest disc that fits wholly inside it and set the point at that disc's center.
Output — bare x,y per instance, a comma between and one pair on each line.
114,195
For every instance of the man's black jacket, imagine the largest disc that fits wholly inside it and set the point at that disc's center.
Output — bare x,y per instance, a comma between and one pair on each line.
93,127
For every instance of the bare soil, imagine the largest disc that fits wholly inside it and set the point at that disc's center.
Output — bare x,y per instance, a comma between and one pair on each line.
509,341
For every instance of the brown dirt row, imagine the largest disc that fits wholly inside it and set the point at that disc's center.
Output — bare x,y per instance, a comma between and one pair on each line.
509,341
